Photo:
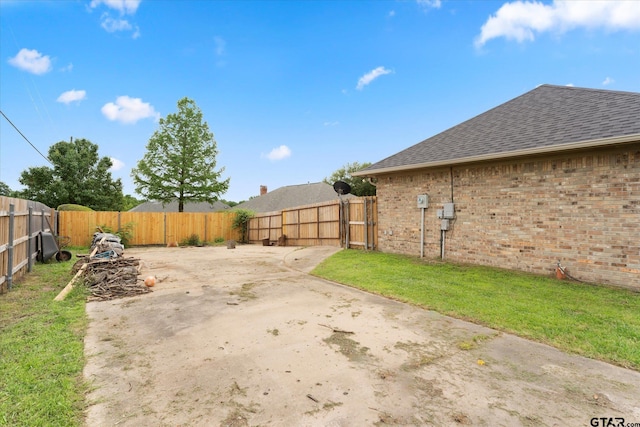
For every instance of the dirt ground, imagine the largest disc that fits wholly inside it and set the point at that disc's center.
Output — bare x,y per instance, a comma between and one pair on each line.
244,337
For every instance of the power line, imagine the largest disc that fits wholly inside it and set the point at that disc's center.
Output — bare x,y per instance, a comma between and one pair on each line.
25,138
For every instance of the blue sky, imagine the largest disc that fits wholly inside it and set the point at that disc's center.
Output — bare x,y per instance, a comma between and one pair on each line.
292,90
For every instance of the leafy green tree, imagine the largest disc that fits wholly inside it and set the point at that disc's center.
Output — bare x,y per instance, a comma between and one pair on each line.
5,190
79,176
180,160
40,186
129,202
359,186
230,203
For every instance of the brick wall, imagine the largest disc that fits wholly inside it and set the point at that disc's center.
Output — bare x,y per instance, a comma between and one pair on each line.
581,208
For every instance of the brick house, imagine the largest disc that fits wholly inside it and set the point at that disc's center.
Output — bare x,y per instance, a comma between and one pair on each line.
552,175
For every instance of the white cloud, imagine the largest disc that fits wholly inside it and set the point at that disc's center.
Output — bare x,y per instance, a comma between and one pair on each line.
72,96
67,68
429,4
32,61
282,152
371,76
129,110
522,20
128,7
125,7
608,81
112,25
392,13
570,84
116,164
331,123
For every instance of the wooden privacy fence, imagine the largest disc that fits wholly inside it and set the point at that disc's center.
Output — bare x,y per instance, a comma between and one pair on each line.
20,223
149,228
350,223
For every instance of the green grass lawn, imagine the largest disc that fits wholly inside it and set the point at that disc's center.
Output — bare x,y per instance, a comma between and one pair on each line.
594,321
42,351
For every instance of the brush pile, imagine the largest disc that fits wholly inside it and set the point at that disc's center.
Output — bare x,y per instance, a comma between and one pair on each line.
110,278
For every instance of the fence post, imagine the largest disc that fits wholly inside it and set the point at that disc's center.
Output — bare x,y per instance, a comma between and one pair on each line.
30,241
318,225
366,228
10,248
205,228
374,228
298,220
348,222
340,223
41,219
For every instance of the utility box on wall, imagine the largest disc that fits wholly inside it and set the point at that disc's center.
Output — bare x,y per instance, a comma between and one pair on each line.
449,211
423,201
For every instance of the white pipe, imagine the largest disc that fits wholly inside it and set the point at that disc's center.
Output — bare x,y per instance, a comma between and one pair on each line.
444,233
422,235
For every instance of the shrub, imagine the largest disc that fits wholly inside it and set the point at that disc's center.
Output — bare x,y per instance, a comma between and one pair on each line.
125,233
72,207
241,221
193,240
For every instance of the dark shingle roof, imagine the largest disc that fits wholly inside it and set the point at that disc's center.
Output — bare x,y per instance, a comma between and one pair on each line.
548,116
291,196
173,207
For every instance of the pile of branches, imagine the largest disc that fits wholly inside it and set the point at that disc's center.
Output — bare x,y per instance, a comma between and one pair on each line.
111,278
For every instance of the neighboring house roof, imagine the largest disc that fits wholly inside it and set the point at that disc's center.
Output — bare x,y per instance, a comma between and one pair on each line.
173,207
546,119
291,196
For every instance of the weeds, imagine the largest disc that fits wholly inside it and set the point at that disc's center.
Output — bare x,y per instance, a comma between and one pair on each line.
125,232
193,240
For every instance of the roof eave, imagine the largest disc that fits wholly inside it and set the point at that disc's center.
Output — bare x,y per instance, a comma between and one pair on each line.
593,143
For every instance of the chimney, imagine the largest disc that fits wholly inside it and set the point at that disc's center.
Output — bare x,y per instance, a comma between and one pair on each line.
263,190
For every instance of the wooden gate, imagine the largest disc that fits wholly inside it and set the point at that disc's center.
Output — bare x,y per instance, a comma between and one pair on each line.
348,223
359,222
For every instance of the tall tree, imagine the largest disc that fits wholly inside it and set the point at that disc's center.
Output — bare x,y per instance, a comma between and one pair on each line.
180,160
129,202
79,176
359,186
5,190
